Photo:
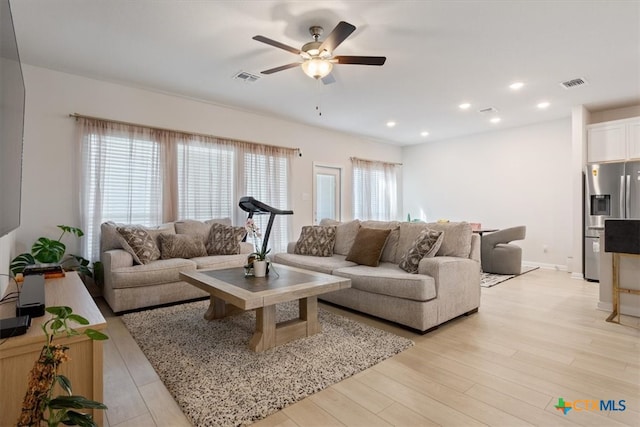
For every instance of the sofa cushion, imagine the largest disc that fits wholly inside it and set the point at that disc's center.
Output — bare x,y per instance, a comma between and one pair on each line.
220,261
426,245
111,239
181,246
389,279
367,248
316,240
457,238
137,241
192,226
345,234
319,264
224,239
154,273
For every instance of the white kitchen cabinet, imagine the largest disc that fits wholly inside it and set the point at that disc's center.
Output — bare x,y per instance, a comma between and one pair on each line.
633,137
614,140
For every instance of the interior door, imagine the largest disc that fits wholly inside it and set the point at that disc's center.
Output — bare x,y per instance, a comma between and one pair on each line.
327,192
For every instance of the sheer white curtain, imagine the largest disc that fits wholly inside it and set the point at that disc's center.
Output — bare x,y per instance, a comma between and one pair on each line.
121,178
264,170
137,175
375,190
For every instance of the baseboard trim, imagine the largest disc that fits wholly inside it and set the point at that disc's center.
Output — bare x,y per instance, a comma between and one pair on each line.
577,276
624,309
545,266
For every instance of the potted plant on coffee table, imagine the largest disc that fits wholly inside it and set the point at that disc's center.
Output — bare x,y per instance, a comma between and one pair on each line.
258,258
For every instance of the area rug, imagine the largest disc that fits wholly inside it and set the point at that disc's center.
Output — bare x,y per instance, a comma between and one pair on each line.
218,381
488,280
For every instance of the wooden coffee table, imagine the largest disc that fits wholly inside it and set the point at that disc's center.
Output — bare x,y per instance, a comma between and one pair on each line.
231,291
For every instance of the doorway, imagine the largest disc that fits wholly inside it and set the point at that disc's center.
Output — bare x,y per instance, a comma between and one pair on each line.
327,192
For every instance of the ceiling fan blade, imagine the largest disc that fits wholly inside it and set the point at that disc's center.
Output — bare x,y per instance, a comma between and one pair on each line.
274,43
280,68
360,60
337,36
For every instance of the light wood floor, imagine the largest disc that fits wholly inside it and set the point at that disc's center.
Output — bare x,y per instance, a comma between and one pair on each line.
536,338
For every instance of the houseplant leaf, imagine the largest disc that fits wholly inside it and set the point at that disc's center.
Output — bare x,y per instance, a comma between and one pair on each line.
47,250
64,383
78,319
75,402
73,230
77,419
20,262
95,335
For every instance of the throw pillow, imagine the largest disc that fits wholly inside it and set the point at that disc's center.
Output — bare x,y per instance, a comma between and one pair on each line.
426,245
181,246
345,234
368,246
138,242
316,240
224,240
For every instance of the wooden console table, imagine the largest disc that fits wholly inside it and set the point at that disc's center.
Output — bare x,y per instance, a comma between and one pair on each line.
18,354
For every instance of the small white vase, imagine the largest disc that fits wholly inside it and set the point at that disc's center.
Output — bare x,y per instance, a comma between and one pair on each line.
259,268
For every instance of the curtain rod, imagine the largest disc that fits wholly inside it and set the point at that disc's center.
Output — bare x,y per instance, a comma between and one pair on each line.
375,161
120,122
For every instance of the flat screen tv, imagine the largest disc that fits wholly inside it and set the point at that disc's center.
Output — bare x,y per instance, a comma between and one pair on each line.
11,123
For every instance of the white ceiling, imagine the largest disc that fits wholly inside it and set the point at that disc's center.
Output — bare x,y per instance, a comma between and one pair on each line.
439,54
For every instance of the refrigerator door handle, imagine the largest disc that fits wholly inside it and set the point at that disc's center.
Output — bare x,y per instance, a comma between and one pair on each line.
622,198
627,212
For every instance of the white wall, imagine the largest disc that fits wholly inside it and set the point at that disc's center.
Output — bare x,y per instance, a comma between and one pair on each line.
6,242
50,194
503,178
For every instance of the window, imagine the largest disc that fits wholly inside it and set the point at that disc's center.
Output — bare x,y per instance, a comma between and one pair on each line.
375,190
205,181
137,175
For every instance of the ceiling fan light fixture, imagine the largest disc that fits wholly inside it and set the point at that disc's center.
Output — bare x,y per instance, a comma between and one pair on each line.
317,68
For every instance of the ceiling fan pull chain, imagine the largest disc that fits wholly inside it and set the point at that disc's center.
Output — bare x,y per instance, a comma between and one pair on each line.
319,95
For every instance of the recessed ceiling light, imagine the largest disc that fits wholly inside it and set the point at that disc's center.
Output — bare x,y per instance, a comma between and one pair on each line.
543,105
516,85
425,133
464,106
495,120
391,124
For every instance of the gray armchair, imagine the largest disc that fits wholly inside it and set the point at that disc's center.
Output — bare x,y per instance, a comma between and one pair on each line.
498,256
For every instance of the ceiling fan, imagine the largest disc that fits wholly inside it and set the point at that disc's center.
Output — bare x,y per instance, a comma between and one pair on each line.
317,57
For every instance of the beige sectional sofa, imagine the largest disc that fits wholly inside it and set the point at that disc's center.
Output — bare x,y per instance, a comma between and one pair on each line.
129,285
446,285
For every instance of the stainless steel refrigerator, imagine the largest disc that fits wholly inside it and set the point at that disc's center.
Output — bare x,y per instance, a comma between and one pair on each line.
612,191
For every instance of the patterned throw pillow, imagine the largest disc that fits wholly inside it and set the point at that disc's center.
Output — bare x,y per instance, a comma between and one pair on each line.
426,245
181,246
368,246
224,240
139,243
316,240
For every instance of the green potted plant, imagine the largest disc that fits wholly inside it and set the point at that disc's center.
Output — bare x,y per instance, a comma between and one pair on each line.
46,250
39,405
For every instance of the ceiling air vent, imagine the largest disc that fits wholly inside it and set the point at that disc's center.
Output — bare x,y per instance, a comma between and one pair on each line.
570,84
246,77
488,110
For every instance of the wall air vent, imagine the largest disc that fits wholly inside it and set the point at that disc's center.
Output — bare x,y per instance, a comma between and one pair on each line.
488,110
570,84
246,77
